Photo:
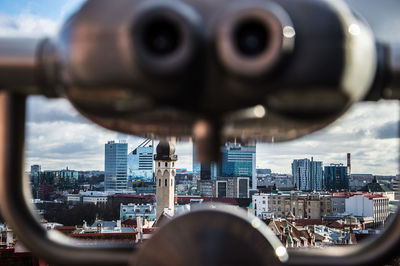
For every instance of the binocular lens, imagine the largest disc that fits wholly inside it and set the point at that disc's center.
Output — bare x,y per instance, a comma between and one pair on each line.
251,38
162,37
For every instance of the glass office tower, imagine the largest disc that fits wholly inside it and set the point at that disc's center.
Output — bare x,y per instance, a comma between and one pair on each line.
336,177
116,166
239,161
141,162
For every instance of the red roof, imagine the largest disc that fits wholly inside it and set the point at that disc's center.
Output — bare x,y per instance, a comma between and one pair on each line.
345,194
106,236
186,200
328,223
373,196
149,230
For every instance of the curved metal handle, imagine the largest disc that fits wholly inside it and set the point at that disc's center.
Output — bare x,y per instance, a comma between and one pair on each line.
53,247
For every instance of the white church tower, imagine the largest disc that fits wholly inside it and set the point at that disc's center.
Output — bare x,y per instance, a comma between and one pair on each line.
164,161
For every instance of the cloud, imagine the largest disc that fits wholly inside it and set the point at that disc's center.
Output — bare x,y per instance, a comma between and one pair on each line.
27,25
58,136
6,23
43,110
389,130
355,132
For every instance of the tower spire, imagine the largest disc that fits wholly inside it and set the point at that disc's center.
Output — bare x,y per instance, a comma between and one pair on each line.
165,159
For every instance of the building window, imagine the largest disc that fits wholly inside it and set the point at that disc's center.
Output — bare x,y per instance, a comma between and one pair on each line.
159,182
173,164
166,182
166,164
159,164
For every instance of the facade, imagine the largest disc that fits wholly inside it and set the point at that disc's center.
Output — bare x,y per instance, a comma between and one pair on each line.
336,178
74,198
369,205
64,179
264,172
239,161
260,204
116,166
307,175
140,162
67,176
301,174
94,197
225,187
164,160
338,204
311,205
281,182
35,174
396,188
206,188
316,175
131,211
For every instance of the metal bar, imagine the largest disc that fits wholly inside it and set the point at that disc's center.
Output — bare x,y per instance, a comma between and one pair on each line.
393,89
50,246
18,64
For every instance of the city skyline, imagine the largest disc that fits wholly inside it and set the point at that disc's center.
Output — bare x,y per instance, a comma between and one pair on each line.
279,162
58,136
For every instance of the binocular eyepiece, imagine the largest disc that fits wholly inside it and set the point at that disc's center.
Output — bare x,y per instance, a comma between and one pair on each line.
165,36
251,38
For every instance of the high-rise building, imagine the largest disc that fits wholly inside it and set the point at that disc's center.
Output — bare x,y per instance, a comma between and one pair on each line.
116,166
67,178
165,159
316,175
35,174
336,177
301,173
307,175
239,161
140,162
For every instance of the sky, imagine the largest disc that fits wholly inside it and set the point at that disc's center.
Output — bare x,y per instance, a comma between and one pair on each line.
58,136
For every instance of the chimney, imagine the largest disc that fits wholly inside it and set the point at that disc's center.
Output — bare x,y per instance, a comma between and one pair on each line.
349,164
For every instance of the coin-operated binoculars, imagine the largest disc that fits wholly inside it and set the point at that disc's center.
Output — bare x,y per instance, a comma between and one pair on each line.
257,70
